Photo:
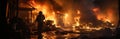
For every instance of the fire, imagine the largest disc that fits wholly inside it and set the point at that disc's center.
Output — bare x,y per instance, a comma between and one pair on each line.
49,14
96,9
66,16
78,11
77,22
106,17
51,17
110,14
70,22
50,35
67,19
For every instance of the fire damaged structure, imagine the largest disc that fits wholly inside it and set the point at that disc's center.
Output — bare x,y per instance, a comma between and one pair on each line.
61,19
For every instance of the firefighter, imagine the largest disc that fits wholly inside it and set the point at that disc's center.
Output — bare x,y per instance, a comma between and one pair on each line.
40,19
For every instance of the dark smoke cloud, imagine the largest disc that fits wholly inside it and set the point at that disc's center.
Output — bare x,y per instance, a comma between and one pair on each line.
106,3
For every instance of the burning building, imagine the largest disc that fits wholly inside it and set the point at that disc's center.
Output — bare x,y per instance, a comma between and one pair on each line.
69,18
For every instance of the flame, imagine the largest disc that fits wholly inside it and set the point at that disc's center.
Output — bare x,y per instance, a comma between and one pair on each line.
106,17
72,22
77,22
66,18
110,14
96,10
49,35
78,11
49,14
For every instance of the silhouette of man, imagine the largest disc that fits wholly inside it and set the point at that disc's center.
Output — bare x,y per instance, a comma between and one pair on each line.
40,19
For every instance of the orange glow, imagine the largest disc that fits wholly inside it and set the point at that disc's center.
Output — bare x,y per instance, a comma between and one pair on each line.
50,36
110,14
70,22
106,17
77,21
78,11
66,19
95,9
49,14
103,18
